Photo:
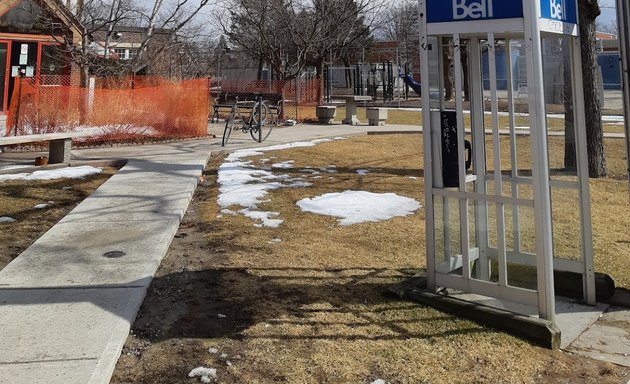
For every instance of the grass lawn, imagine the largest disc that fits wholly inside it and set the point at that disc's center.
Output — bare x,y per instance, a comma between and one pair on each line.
305,303
407,117
19,198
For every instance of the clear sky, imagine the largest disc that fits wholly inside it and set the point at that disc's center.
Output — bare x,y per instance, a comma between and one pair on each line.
608,11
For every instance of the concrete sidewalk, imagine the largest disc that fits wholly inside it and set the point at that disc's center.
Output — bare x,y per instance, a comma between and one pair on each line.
68,301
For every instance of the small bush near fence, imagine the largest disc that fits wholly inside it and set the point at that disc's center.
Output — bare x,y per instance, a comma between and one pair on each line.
115,109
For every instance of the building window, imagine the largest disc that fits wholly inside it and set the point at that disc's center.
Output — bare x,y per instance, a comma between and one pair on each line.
121,52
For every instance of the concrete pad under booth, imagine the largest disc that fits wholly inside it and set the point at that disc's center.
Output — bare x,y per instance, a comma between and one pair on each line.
608,339
572,317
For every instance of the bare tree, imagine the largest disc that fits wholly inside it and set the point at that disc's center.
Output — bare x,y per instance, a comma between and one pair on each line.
103,17
289,34
588,11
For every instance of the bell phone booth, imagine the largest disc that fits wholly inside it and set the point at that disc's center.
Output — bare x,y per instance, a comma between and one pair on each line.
494,223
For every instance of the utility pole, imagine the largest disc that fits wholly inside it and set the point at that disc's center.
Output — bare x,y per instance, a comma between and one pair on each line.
623,23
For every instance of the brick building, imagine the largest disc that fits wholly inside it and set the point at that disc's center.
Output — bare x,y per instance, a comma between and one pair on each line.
29,31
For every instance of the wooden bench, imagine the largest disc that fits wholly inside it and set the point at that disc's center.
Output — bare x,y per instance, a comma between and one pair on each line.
59,144
226,100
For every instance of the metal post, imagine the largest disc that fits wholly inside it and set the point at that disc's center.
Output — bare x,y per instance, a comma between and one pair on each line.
623,23
428,162
540,162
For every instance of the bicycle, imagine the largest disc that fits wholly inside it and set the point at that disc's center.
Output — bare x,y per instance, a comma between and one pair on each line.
258,123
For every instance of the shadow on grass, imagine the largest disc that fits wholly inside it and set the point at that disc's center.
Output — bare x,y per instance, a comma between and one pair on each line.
333,304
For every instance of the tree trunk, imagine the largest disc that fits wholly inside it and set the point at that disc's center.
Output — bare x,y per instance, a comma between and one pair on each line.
320,76
447,70
589,10
570,159
465,70
260,68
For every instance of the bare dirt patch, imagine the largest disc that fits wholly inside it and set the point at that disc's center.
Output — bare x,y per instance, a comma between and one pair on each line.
18,200
306,303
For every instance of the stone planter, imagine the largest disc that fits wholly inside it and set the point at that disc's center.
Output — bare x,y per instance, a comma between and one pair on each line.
376,116
325,113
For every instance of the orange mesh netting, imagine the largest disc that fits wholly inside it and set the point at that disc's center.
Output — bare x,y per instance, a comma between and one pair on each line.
114,109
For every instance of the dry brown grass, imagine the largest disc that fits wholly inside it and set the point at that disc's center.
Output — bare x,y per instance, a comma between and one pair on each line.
407,117
17,199
312,309
341,330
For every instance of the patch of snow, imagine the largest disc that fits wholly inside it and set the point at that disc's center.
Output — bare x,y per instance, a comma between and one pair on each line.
61,173
7,219
379,381
213,350
239,154
224,355
44,205
413,178
274,241
310,170
267,218
243,184
207,375
221,316
299,184
10,167
362,172
283,165
353,207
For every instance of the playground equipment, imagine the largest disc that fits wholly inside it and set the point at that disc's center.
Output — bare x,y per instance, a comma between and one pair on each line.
417,87
491,230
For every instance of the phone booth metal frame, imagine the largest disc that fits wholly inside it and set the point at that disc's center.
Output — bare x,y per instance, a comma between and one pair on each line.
478,266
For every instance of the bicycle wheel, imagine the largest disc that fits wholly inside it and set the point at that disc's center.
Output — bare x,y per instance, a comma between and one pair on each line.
256,114
229,127
262,131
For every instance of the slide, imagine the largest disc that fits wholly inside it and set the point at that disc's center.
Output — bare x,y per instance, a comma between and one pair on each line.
417,87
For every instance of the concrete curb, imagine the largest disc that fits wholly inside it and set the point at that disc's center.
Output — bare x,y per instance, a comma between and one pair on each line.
542,332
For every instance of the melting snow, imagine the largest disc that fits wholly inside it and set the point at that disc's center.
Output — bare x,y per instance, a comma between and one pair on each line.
362,172
283,165
69,172
354,207
7,219
242,184
44,205
207,375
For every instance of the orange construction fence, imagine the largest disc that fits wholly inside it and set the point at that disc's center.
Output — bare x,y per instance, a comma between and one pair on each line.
114,109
